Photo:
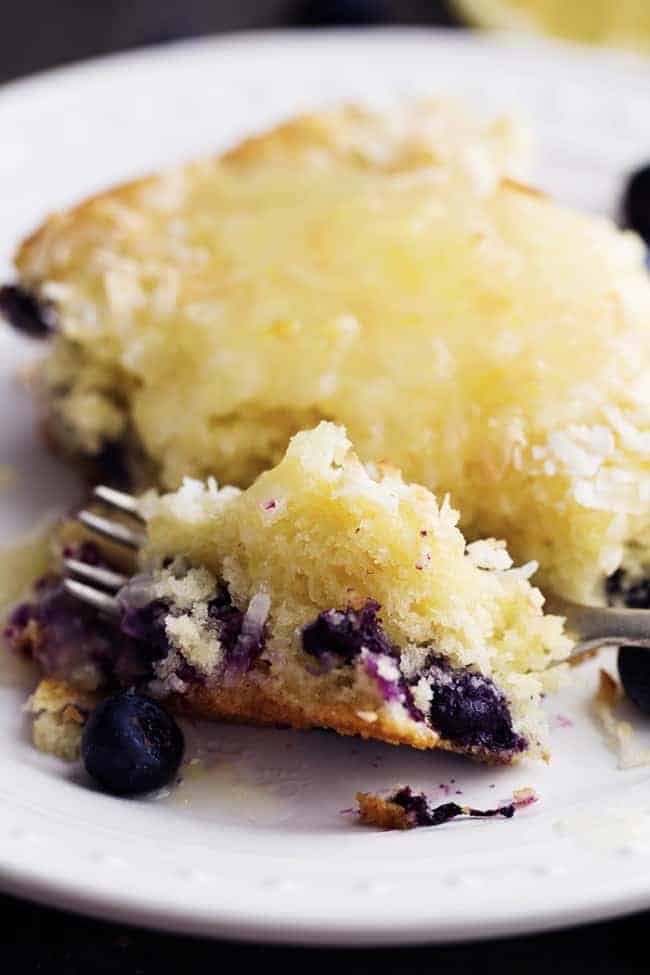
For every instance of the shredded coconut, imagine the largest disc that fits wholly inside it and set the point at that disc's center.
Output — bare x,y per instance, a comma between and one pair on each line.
489,553
422,695
191,635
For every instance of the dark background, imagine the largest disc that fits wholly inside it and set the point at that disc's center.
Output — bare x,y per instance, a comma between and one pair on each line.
37,34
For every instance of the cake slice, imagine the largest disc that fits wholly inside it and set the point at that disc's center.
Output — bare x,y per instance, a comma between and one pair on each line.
151,291
328,594
385,271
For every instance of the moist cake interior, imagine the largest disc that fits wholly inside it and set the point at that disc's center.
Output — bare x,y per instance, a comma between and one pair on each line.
328,594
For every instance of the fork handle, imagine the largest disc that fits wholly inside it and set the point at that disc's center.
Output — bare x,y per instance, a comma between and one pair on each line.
599,626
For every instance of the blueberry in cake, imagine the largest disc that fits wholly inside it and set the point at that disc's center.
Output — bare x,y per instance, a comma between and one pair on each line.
328,594
385,271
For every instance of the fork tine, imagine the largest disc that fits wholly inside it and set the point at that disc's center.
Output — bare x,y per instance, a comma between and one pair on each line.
96,574
92,597
118,500
113,530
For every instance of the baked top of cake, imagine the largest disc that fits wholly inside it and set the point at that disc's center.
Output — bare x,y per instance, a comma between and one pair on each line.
328,594
385,272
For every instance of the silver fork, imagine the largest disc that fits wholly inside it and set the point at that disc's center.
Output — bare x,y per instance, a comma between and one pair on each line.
93,584
589,626
601,626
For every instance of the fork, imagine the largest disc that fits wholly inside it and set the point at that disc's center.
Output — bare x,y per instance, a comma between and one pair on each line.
94,585
589,627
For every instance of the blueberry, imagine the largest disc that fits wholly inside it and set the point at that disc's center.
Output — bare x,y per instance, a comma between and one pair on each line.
342,634
634,671
469,709
131,745
26,313
414,803
636,203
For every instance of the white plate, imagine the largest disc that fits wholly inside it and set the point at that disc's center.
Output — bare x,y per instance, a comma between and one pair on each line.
259,848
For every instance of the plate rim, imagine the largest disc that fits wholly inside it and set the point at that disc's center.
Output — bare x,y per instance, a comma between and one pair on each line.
248,927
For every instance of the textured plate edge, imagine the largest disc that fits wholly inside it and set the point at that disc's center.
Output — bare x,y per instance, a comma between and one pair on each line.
280,931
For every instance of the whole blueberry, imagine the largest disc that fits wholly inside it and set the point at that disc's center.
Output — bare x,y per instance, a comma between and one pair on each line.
131,745
634,671
636,203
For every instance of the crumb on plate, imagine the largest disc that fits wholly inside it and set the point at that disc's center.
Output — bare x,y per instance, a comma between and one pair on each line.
59,713
619,733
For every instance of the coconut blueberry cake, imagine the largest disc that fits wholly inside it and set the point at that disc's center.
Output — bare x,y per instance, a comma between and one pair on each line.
147,243
382,271
328,594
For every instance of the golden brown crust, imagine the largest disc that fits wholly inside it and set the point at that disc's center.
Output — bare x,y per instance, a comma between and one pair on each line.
65,707
251,703
306,134
348,134
518,187
288,140
59,696
375,811
24,256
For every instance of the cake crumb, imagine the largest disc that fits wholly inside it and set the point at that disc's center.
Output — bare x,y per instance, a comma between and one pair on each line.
524,797
59,714
402,808
620,733
375,810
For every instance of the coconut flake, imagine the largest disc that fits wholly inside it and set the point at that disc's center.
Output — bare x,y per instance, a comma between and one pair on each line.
489,553
620,733
251,639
